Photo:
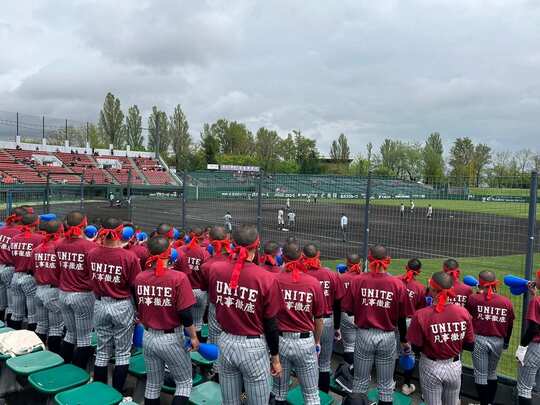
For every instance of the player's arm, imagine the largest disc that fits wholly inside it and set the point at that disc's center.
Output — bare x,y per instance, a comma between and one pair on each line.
532,329
319,326
468,342
414,335
187,321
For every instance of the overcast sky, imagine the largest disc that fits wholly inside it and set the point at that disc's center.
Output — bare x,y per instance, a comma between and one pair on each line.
370,69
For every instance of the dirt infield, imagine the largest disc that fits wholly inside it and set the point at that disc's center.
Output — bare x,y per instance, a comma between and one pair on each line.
447,234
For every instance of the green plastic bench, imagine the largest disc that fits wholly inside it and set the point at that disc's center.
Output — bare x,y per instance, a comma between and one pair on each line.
204,330
58,379
200,360
6,329
295,397
93,339
33,362
137,367
95,393
399,398
2,324
207,393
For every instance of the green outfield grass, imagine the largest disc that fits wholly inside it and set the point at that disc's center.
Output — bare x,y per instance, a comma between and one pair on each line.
491,191
472,266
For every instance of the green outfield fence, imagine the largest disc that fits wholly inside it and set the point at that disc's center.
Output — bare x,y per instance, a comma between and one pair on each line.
488,227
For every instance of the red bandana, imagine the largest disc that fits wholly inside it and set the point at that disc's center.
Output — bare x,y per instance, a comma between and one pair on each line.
242,253
219,245
312,263
378,265
410,274
354,267
442,295
489,285
158,259
295,266
115,233
27,229
267,259
178,243
76,230
194,241
453,272
50,237
13,218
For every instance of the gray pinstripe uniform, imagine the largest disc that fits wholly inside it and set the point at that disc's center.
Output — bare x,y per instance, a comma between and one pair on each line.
348,332
440,381
327,345
379,347
77,310
23,294
528,372
244,359
199,308
6,274
486,354
214,332
298,354
166,349
48,315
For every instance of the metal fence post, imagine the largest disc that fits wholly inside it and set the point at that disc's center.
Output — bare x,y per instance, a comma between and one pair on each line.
82,192
130,214
47,193
366,221
259,202
531,235
184,199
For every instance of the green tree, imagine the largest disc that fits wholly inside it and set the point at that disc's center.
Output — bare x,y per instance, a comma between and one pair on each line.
158,132
433,160
96,138
482,157
180,138
359,166
234,137
307,155
111,121
340,150
209,144
134,128
267,144
462,156
287,148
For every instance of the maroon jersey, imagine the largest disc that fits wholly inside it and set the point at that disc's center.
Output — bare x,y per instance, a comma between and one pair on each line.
160,298
190,262
141,251
21,249
271,268
74,274
416,294
377,300
348,277
462,292
45,264
490,317
113,271
241,311
304,300
441,334
206,268
331,285
6,233
533,314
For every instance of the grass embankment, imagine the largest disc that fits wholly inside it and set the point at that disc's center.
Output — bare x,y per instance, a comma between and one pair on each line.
472,266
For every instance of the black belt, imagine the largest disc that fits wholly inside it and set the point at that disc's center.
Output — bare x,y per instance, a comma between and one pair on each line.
303,335
454,359
253,337
165,331
327,316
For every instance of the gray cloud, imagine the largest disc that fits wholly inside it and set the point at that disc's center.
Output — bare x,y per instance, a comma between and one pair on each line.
372,70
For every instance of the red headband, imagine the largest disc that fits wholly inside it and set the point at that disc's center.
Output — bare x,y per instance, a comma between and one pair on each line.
76,230
354,267
266,258
242,253
27,229
220,244
453,272
410,274
115,233
377,265
194,241
50,237
442,295
295,266
489,285
160,267
13,218
312,262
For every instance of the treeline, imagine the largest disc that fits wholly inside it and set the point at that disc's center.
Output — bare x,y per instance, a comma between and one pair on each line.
231,142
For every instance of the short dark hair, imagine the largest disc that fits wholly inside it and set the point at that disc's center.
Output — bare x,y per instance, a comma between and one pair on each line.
414,264
444,280
74,218
292,251
353,258
19,211
163,229
451,264
111,223
217,233
245,235
378,252
29,219
50,226
157,245
197,231
311,250
271,247
487,275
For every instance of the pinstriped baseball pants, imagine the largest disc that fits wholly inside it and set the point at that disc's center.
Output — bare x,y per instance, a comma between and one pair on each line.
6,274
78,312
379,347
201,298
298,354
527,372
114,324
166,349
440,381
214,331
348,332
244,360
327,345
48,316
23,296
486,354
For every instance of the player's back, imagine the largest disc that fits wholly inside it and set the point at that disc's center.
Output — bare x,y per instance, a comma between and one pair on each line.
331,285
190,261
462,293
6,234
491,317
74,274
